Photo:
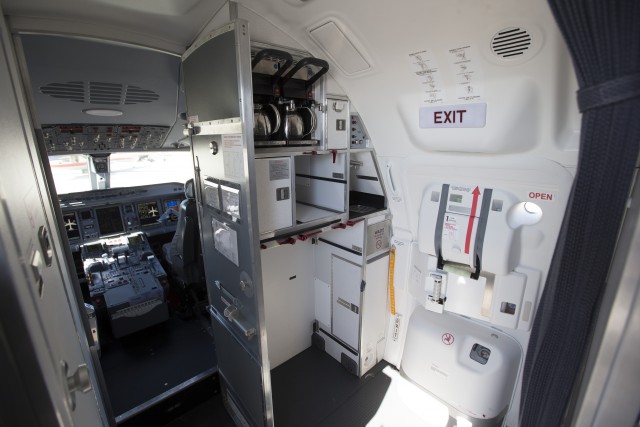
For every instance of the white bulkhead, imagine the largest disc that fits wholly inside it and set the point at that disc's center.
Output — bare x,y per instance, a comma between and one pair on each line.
374,193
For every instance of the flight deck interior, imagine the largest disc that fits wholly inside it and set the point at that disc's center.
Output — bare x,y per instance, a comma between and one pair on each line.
143,289
319,213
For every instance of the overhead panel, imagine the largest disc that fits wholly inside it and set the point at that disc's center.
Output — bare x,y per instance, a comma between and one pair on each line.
160,7
70,75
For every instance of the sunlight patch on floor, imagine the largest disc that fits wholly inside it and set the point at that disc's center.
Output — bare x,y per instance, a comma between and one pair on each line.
405,404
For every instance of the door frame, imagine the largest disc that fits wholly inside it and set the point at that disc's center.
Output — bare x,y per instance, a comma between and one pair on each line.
27,345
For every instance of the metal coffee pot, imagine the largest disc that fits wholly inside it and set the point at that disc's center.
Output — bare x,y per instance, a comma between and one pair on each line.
294,121
266,120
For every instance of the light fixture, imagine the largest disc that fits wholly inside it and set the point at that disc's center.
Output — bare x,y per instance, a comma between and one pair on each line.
103,112
339,46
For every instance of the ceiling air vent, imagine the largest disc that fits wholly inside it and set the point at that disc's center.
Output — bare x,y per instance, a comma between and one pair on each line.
100,93
136,95
73,91
104,93
511,43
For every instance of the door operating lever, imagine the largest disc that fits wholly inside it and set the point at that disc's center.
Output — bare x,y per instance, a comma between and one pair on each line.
231,313
78,381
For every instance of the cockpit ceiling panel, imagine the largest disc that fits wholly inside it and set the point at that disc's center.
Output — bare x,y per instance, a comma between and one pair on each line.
70,76
167,24
64,139
162,7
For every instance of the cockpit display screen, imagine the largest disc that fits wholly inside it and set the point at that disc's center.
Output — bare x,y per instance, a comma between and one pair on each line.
172,204
71,225
109,220
148,213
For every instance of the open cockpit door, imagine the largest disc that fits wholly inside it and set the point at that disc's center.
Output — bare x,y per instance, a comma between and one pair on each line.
217,84
51,365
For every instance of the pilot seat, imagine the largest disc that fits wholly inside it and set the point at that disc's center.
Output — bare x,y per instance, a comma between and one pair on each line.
183,254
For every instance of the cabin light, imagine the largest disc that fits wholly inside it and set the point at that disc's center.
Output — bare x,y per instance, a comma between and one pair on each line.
103,112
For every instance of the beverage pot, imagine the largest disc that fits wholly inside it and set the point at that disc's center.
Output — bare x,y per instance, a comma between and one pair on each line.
295,124
266,120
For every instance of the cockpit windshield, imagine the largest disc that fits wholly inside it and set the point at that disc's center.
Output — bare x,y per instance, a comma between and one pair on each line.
72,172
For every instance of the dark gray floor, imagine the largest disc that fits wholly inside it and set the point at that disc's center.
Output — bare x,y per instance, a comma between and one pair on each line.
141,366
310,389
313,389
210,413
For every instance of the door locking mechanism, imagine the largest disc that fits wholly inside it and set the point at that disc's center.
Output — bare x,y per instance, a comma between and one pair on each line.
78,381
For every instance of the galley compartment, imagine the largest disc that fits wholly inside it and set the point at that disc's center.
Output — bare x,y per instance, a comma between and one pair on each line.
288,90
273,179
320,184
303,89
366,194
267,66
337,122
332,296
352,267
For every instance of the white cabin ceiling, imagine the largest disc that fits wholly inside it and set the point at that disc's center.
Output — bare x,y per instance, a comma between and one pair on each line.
528,98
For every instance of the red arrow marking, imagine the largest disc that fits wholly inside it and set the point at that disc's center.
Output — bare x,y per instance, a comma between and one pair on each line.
474,205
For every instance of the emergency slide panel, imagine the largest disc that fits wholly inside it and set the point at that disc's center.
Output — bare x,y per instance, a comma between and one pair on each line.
217,82
470,367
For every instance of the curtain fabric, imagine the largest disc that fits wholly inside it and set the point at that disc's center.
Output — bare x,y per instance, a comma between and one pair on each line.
603,37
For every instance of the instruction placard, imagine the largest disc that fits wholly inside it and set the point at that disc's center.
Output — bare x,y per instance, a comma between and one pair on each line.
448,75
233,156
225,240
428,74
278,169
230,200
465,68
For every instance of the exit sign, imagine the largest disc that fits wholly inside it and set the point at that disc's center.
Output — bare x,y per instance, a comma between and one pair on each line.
454,116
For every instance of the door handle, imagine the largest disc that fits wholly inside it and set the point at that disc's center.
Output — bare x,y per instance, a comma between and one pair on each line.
45,245
36,269
392,185
231,314
78,381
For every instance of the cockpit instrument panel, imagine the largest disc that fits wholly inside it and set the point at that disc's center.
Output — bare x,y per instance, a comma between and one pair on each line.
71,225
90,215
172,204
148,212
109,220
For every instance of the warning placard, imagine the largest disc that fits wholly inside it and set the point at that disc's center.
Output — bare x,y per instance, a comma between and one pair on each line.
233,156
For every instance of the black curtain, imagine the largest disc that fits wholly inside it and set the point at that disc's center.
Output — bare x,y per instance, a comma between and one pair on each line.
603,37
